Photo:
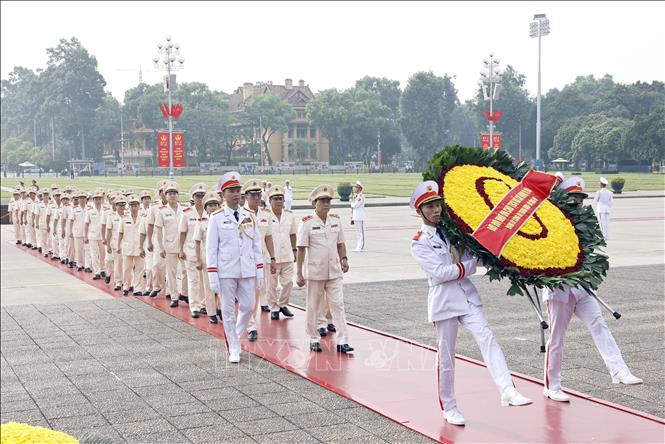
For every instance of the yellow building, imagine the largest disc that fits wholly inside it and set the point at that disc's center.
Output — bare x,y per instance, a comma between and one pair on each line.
302,143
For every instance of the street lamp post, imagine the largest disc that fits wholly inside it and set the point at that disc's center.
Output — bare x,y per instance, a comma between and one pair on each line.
169,51
538,28
492,76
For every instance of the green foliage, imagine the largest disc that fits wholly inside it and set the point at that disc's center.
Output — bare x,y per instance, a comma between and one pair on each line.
595,264
271,114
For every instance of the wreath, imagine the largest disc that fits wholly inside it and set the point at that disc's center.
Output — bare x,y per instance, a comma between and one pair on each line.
558,245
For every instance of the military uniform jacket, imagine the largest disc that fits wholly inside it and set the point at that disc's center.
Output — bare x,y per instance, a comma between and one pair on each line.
201,233
358,207
450,291
264,219
129,227
77,216
188,221
95,218
167,220
234,248
113,224
321,239
281,232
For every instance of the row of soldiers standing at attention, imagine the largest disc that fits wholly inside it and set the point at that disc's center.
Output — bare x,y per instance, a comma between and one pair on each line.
150,243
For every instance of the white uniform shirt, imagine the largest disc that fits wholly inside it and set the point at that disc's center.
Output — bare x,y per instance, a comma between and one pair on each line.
321,239
167,220
94,218
281,232
264,220
201,233
113,223
450,291
189,219
604,200
234,248
358,207
77,215
129,227
288,193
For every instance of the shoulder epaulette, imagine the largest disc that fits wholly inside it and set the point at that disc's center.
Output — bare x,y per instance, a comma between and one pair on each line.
186,209
333,215
306,218
217,211
417,235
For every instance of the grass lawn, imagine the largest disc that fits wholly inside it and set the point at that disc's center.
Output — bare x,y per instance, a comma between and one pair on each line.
387,184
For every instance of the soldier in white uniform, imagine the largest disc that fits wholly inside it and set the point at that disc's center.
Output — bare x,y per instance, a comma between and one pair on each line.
158,263
210,204
454,300
29,218
128,245
320,239
358,216
93,232
189,219
283,233
76,227
604,200
234,260
42,211
61,228
561,305
13,211
54,215
113,222
288,195
168,238
144,209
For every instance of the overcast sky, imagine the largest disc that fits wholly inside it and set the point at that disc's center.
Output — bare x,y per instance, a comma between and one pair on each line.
332,44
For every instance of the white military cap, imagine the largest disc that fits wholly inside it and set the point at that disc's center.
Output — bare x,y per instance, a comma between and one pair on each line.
229,180
119,199
171,186
97,193
133,199
251,185
17,190
358,184
145,193
198,187
66,196
603,181
427,191
573,185
275,190
559,174
321,191
210,196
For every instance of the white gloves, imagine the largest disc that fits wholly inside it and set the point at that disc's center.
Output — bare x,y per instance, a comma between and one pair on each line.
214,281
260,279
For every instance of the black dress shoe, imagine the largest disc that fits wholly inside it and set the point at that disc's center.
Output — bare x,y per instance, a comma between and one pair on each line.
96,277
138,293
252,335
212,319
174,303
117,288
265,308
323,332
315,347
79,269
18,242
286,312
219,313
72,265
168,296
195,314
154,293
184,298
125,292
344,348
203,311
274,315
62,261
39,249
331,327
107,279
102,274
88,270
131,288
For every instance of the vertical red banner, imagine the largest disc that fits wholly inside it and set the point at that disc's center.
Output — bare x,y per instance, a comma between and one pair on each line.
485,141
496,141
178,149
163,149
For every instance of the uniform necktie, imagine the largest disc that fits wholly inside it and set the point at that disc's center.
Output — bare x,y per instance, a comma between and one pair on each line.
439,231
235,214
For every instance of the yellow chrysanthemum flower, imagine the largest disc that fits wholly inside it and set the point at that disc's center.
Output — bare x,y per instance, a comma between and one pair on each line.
19,433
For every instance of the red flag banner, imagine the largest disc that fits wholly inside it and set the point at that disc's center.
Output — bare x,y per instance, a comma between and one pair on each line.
178,149
514,209
163,149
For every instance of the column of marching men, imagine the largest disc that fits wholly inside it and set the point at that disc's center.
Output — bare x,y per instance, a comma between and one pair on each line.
231,252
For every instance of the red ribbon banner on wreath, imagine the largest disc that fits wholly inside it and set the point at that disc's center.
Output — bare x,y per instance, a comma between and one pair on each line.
513,211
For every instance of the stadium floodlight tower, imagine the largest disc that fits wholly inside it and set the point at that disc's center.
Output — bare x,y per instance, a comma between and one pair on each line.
167,54
539,27
491,76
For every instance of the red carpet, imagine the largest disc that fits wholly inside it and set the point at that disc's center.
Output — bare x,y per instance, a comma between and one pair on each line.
396,378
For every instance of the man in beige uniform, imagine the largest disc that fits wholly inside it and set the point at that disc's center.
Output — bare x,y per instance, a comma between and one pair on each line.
189,219
252,190
211,203
158,263
113,222
132,254
77,225
283,233
53,218
13,211
71,249
168,237
92,232
27,216
107,260
61,228
41,224
144,210
321,238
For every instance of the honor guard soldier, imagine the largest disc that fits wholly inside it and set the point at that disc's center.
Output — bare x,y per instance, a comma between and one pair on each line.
454,300
158,262
234,258
71,249
93,232
211,204
42,227
604,201
14,218
21,214
288,195
113,222
358,216
561,305
189,219
128,245
29,218
253,193
144,210
76,227
61,228
54,219
168,238
283,232
320,239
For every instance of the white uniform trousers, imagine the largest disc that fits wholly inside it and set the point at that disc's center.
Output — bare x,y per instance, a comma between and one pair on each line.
287,204
18,233
261,299
588,311
283,276
325,316
604,222
243,290
315,297
118,268
132,272
55,244
171,268
71,249
43,241
31,235
158,271
79,251
62,247
211,300
109,262
446,331
195,290
148,270
96,257
360,234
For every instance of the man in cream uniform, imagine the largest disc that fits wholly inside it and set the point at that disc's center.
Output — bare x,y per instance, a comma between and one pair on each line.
113,223
283,232
144,209
561,305
128,245
454,300
168,238
358,216
42,212
158,262
288,195
76,228
211,203
13,211
320,237
92,232
61,228
604,201
234,258
189,219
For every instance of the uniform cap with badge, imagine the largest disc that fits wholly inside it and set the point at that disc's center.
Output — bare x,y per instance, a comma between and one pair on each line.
144,194
229,180
251,185
210,196
574,185
322,191
120,200
358,184
604,181
275,190
198,188
171,186
97,193
133,199
427,191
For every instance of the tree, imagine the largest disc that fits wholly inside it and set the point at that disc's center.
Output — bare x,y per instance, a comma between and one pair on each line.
600,141
646,139
271,114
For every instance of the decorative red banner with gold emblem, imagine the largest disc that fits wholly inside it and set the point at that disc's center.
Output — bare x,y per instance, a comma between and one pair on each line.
163,149
178,149
514,209
485,141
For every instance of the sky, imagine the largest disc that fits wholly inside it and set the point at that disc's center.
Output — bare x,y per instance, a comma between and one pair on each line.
332,44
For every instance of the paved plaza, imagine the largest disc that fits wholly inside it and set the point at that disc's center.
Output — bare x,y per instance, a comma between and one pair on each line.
78,360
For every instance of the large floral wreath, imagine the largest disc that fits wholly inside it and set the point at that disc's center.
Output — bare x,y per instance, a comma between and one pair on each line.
557,246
